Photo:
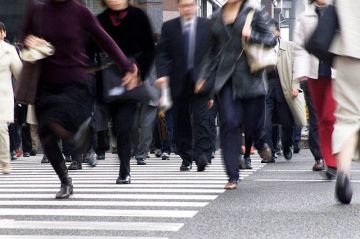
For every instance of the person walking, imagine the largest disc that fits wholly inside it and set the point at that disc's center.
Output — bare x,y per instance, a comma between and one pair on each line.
346,92
130,28
63,103
319,76
10,65
179,54
240,94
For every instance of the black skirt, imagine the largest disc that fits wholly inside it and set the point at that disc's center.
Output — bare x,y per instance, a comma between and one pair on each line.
68,105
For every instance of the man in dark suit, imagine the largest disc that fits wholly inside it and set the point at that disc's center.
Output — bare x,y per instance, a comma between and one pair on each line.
179,54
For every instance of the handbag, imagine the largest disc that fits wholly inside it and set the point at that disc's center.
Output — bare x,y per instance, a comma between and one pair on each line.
258,56
320,41
26,85
111,76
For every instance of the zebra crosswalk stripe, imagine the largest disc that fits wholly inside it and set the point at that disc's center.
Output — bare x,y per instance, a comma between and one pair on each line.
155,205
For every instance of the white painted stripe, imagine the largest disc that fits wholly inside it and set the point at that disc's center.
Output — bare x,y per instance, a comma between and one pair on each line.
96,212
88,225
72,237
116,196
112,176
44,184
102,203
153,181
116,190
291,180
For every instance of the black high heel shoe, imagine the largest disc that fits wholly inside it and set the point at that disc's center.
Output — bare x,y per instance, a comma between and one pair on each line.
343,190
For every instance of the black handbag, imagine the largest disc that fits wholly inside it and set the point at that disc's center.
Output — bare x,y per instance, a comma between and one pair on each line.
111,77
320,41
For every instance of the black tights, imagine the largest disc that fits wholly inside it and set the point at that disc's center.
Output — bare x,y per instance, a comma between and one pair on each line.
49,137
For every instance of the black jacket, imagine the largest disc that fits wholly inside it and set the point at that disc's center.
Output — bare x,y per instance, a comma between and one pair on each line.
224,48
171,57
134,37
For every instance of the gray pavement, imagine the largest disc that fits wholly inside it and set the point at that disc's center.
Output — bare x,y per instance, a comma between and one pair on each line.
281,200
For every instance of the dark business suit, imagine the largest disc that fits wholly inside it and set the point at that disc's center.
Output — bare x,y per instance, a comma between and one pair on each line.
172,60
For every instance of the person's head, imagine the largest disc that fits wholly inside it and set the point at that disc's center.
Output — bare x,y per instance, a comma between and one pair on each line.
187,8
2,31
115,5
319,2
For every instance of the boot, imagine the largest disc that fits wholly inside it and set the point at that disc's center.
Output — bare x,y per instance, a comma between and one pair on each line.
66,189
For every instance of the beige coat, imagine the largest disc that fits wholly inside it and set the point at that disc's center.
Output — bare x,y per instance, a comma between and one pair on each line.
285,70
10,65
348,42
305,65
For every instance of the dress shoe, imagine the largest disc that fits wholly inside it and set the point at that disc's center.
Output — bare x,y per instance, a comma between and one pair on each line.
140,161
165,156
6,169
242,164
185,167
265,153
231,185
271,160
33,152
201,163
82,137
12,156
318,166
26,154
92,161
126,180
287,154
296,149
247,163
45,159
330,173
75,165
100,156
18,153
343,190
157,153
66,189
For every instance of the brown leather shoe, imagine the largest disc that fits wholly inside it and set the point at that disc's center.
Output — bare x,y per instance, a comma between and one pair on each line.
318,166
230,185
265,153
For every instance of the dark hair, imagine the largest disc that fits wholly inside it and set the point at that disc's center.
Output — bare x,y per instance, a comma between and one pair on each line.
2,27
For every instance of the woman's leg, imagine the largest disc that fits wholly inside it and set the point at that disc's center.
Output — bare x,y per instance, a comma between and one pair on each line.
230,136
52,150
123,118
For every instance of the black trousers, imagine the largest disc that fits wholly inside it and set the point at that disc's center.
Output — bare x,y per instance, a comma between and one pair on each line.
277,107
313,141
233,114
26,141
123,116
193,126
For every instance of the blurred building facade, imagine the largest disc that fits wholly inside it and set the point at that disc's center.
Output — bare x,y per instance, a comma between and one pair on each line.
11,12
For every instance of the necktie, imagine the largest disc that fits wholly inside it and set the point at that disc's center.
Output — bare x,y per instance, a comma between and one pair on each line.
188,45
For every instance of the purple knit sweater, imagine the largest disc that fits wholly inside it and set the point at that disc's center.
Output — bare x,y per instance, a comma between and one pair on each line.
68,25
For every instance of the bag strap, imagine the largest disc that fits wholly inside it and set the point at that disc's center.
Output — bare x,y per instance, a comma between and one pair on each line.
249,18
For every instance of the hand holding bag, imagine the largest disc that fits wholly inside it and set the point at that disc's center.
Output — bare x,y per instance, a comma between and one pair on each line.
258,56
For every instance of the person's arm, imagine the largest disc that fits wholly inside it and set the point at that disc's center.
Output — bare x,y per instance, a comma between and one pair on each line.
147,46
27,28
301,56
98,34
15,64
163,58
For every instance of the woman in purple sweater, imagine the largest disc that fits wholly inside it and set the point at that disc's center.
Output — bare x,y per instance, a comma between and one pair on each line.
63,101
